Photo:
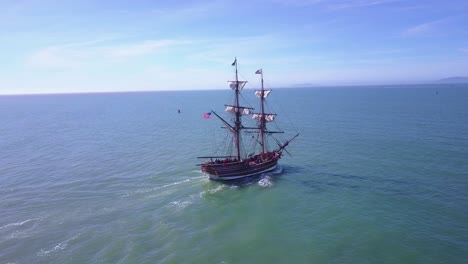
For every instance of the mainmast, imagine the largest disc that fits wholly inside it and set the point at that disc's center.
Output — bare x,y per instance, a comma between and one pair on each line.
237,123
262,119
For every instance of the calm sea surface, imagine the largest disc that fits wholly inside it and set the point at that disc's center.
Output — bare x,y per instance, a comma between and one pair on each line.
378,175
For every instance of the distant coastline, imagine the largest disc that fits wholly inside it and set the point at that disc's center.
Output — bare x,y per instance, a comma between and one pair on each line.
449,80
453,80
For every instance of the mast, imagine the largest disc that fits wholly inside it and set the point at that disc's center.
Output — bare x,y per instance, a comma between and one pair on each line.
262,119
237,123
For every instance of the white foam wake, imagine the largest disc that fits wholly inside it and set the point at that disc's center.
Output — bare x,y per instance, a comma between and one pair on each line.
278,170
266,182
181,204
148,190
212,191
20,223
184,203
60,246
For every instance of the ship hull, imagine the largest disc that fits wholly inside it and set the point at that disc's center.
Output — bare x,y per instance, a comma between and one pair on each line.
235,177
238,170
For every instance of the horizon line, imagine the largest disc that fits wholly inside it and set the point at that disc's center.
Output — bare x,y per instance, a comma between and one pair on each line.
221,89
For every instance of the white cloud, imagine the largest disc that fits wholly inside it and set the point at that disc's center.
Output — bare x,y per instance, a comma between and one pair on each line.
79,54
221,49
198,11
299,3
212,50
138,49
385,52
335,4
187,78
359,3
424,28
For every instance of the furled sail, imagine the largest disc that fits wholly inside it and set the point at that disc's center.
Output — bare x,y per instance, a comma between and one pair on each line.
265,93
232,84
268,117
242,110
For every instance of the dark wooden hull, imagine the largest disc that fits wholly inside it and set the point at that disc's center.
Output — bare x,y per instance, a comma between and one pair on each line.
236,170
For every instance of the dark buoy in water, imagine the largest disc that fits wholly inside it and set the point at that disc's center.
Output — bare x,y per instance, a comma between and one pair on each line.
437,92
178,111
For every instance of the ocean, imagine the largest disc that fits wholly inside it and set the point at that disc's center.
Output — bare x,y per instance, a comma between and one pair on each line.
377,175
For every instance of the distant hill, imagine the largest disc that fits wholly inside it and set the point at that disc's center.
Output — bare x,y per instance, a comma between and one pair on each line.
453,80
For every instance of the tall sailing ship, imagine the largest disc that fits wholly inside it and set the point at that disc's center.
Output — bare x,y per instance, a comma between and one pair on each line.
237,165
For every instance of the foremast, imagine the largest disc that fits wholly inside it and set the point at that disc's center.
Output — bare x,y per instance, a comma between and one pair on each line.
262,117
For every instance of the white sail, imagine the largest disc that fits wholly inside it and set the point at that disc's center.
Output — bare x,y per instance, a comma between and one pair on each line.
242,110
268,117
265,93
232,84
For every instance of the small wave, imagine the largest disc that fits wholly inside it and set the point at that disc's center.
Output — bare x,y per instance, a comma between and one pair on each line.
20,223
266,182
60,246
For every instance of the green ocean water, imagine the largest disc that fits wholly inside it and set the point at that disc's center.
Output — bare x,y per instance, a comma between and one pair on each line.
377,175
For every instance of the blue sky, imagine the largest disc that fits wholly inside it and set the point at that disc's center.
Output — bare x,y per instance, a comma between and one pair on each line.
96,46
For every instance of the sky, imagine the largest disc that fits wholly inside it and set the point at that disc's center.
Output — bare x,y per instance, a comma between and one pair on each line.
67,46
